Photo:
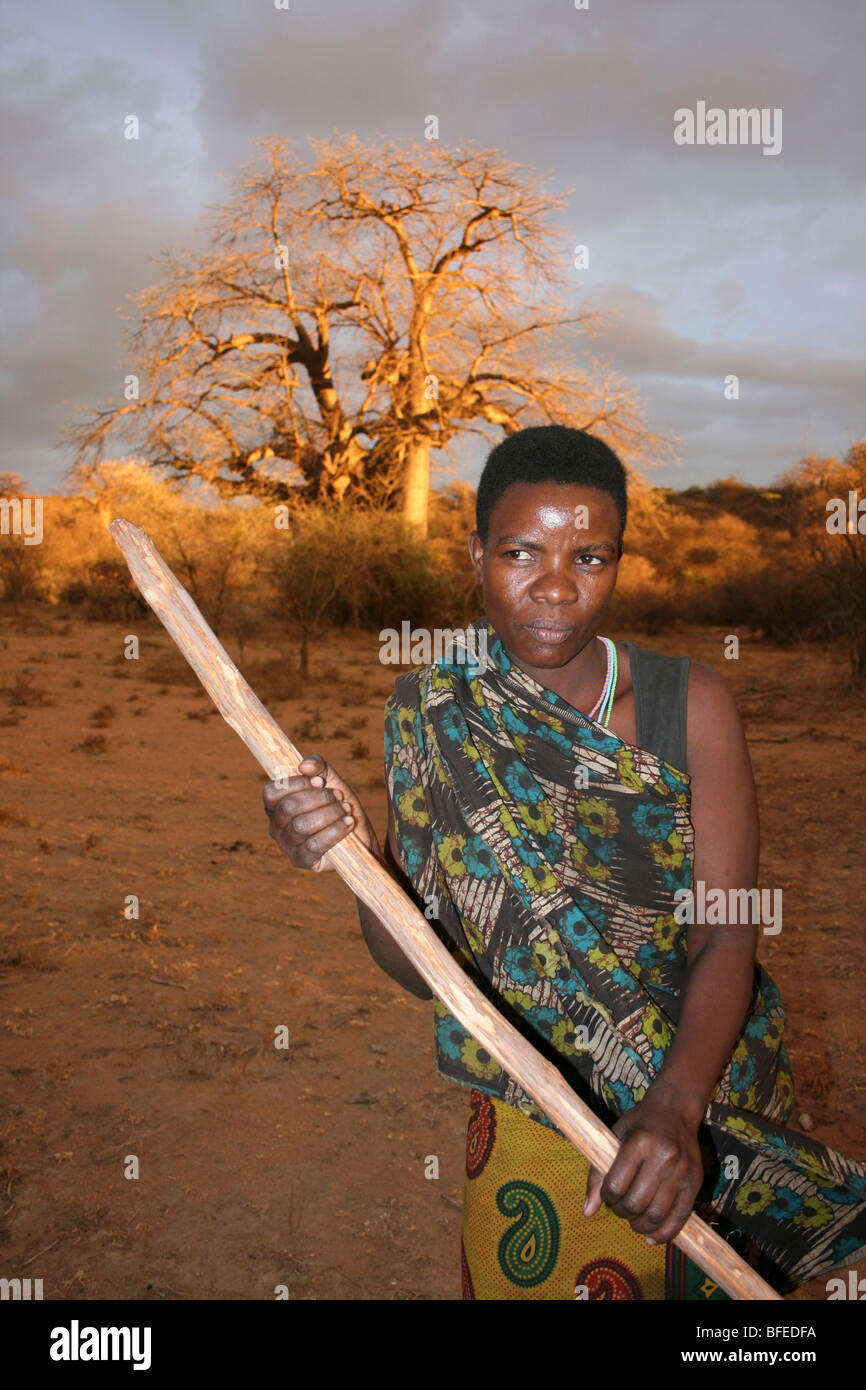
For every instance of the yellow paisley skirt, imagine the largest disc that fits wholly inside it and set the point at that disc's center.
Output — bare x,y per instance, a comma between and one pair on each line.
524,1234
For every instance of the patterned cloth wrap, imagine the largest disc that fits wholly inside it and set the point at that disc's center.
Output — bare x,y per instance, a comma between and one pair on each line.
547,853
524,1235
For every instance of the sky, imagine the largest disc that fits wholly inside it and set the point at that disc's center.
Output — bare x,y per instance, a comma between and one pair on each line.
711,260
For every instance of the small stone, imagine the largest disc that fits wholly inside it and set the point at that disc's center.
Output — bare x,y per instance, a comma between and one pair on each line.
805,1121
363,1098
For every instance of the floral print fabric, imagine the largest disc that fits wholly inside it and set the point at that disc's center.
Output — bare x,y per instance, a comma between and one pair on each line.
548,852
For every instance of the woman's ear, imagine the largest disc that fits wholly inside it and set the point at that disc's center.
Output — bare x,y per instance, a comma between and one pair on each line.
476,554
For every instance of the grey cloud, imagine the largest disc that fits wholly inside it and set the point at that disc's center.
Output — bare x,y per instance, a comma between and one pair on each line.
719,259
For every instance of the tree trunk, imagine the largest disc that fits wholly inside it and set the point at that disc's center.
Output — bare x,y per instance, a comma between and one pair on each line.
416,486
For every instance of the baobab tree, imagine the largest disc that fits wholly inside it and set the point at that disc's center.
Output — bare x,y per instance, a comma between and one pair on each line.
353,312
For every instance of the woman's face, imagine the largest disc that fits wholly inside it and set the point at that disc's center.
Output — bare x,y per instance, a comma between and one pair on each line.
548,570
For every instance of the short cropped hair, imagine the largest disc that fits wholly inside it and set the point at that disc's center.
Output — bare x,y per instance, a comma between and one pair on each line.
549,454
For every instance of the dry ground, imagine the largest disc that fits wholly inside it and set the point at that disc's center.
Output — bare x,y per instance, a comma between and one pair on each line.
155,1037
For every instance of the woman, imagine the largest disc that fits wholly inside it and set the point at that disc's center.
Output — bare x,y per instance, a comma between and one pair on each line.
551,808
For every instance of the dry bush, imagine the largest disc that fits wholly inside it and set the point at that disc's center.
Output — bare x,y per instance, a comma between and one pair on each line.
771,568
452,519
219,558
245,616
309,729
21,692
107,594
94,743
642,600
76,542
216,549
699,553
21,565
361,569
829,597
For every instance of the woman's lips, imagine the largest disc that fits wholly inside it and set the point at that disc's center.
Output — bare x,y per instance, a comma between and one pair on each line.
549,636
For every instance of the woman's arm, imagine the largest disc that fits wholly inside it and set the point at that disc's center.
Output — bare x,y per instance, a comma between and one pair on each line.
380,943
719,978
657,1173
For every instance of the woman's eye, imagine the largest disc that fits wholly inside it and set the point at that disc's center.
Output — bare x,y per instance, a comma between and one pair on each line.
595,560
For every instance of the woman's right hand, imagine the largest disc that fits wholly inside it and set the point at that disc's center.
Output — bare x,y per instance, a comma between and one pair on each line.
313,812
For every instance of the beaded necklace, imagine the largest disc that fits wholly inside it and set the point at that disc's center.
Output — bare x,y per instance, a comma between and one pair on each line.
604,704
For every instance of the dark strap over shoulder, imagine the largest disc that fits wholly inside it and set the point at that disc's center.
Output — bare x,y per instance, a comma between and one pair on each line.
661,686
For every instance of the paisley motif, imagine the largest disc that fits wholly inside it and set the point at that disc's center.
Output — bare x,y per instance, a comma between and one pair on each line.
481,1134
529,1248
607,1279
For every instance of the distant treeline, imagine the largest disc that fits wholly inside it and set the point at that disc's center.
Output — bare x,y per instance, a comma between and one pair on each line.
775,561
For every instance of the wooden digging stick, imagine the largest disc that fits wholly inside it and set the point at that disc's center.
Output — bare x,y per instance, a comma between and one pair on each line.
373,884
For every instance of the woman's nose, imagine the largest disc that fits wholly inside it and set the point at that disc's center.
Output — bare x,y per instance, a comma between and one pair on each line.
554,585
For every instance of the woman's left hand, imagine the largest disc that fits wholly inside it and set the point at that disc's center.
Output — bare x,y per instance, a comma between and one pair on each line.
655,1177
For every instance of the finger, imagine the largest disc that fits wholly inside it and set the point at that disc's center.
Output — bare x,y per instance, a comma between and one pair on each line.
305,848
310,852
309,822
592,1201
679,1214
295,804
273,792
632,1203
316,769
647,1216
321,774
621,1173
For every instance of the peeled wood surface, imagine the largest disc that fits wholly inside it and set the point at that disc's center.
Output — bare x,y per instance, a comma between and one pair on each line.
372,883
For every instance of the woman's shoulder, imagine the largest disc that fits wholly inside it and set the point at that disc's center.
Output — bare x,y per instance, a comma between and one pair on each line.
710,696
642,655
707,688
655,676
403,705
407,687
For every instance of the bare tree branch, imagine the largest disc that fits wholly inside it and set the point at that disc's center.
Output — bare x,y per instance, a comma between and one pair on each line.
354,311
